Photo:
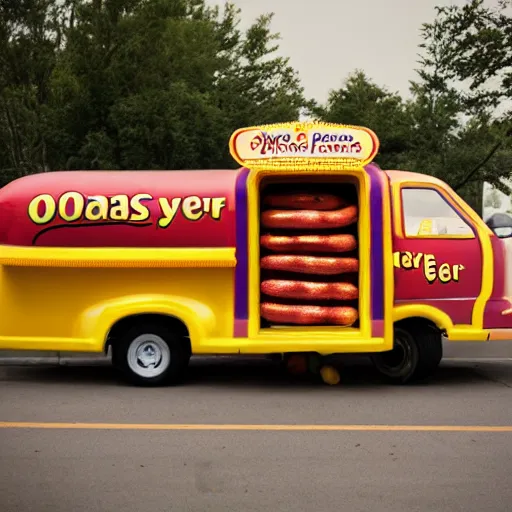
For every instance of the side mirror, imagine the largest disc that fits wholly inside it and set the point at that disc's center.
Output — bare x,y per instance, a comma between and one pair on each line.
501,225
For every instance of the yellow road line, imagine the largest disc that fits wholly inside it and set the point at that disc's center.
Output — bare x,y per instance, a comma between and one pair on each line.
261,428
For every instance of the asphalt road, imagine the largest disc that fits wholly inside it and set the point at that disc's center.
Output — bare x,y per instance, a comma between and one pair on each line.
374,461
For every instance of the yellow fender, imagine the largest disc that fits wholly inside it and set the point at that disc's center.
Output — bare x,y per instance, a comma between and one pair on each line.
96,322
441,319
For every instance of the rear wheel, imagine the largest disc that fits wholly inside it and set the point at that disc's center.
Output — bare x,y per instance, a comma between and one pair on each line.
416,354
150,354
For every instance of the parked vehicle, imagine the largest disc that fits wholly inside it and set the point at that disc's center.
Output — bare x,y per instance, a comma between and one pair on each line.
309,247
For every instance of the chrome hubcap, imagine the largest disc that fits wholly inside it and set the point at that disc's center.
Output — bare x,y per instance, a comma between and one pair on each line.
148,355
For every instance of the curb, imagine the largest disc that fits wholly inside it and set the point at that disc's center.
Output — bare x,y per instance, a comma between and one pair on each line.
52,361
29,358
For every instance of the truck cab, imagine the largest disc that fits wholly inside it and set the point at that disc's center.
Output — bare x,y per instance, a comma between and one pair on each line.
448,260
450,269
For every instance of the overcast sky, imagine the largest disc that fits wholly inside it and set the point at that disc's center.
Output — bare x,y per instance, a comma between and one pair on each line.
328,39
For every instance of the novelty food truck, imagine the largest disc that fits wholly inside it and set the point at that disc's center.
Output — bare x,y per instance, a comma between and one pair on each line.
308,248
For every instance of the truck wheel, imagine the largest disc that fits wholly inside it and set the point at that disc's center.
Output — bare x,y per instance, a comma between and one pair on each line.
416,354
150,355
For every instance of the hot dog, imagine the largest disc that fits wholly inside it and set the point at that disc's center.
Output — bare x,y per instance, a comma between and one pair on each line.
309,219
304,201
308,315
309,243
309,290
322,265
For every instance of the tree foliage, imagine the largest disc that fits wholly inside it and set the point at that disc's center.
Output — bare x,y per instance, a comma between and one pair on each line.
134,84
161,84
361,102
468,58
445,130
473,45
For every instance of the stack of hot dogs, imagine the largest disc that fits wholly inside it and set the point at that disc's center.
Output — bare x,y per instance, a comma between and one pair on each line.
313,250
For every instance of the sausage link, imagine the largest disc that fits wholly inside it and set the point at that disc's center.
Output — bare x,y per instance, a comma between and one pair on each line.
322,265
304,201
308,315
309,290
309,243
309,219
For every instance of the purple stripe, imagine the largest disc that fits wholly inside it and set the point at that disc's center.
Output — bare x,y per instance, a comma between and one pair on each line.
242,259
377,254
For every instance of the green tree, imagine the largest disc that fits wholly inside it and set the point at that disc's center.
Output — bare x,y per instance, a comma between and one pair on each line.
134,84
254,86
136,81
454,147
361,102
463,44
477,49
428,133
30,34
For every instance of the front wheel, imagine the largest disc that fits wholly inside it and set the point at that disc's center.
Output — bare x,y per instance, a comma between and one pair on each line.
150,355
416,353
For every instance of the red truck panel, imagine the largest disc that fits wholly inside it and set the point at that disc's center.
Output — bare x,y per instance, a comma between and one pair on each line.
120,209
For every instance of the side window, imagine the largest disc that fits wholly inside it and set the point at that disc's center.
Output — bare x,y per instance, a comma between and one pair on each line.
427,213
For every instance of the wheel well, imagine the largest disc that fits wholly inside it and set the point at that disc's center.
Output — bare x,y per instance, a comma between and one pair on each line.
170,322
418,321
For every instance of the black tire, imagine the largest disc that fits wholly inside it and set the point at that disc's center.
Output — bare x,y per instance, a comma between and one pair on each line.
150,346
417,352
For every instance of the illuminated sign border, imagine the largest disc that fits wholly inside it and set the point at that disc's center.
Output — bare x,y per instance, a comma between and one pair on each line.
314,145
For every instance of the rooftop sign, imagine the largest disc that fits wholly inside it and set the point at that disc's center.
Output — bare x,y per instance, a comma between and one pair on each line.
304,144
